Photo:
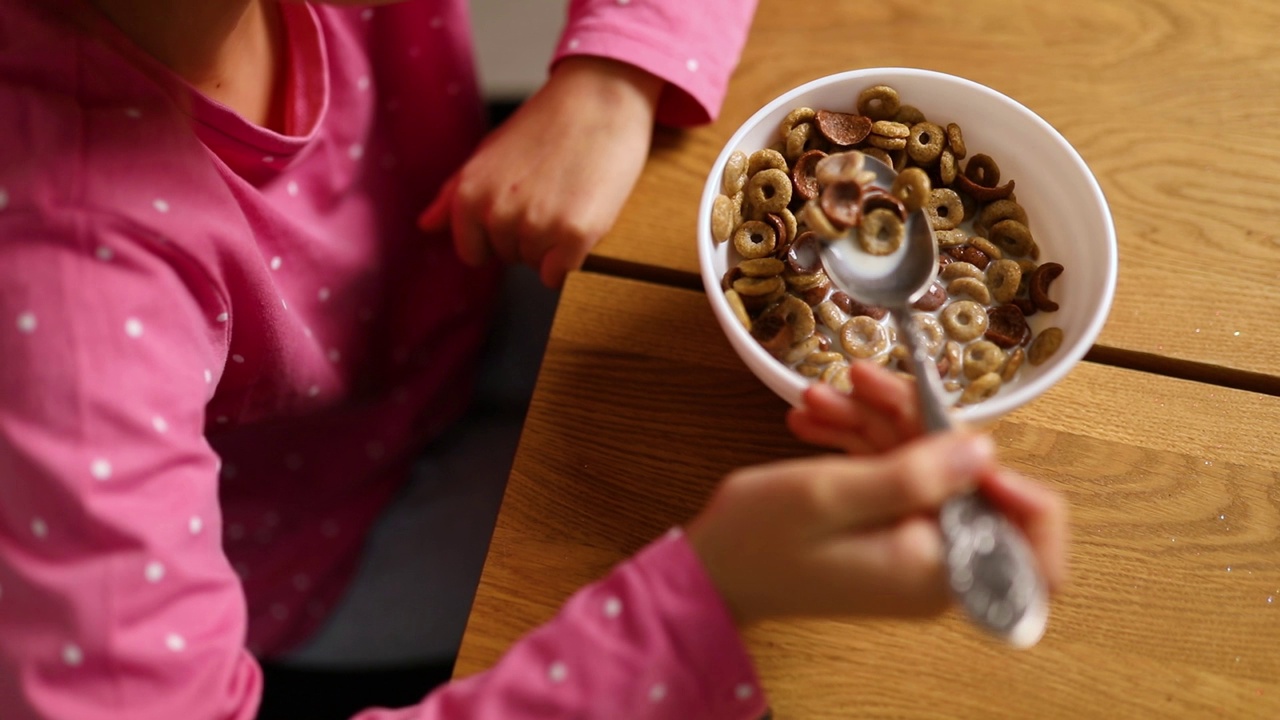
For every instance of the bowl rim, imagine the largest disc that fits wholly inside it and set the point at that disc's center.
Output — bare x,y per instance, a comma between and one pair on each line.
791,384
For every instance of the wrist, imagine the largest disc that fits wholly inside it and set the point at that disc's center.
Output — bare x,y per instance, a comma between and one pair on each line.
611,82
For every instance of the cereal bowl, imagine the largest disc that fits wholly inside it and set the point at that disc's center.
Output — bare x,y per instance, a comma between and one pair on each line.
1065,211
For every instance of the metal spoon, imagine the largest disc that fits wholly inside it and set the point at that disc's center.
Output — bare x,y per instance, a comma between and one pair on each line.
989,563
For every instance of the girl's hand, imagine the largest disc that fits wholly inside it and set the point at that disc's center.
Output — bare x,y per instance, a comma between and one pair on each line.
835,535
546,185
879,415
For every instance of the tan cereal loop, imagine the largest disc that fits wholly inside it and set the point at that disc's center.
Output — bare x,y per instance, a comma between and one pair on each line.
971,287
802,349
739,310
735,173
887,143
944,209
909,115
881,232
955,141
964,320
794,118
925,143
754,239
765,159
912,187
890,129
1014,238
982,357
831,317
1003,278
961,269
986,246
862,337
951,238
1013,364
837,376
761,267
981,388
769,191
1000,210
802,138
948,170
723,218
879,102
1044,345
935,338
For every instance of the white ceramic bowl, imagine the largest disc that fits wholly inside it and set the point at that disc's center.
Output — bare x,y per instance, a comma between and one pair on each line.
1067,212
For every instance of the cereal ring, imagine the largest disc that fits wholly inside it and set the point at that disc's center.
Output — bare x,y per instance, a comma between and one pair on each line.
898,158
1012,365
878,154
931,333
933,298
814,293
730,275
794,118
997,211
809,370
813,216
761,267
802,138
739,310
909,115
792,227
804,180
765,159
881,232
773,333
839,167
947,169
1024,304
912,186
799,316
951,238
887,143
972,287
842,128
982,193
769,191
981,388
846,303
991,251
964,320
840,202
955,141
735,173
1007,326
876,199
837,376
982,357
952,385
722,218
1004,277
862,337
780,231
831,316
926,142
749,287
944,209
961,269
890,129
754,239
824,357
982,170
800,350
1039,286
879,102
803,257
969,254
1014,238
1045,345
951,352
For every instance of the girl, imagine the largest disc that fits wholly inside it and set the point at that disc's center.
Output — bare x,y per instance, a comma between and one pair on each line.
226,340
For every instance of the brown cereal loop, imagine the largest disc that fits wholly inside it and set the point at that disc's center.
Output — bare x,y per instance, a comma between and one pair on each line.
969,254
735,173
846,303
944,209
912,187
981,388
841,202
862,337
764,160
1004,277
761,267
933,299
739,310
909,115
1014,238
955,141
925,143
769,191
982,357
773,333
804,179
982,193
842,128
1012,365
881,232
723,218
794,118
1039,286
971,287
964,320
1007,326
879,102
802,257
1044,345
961,269
754,239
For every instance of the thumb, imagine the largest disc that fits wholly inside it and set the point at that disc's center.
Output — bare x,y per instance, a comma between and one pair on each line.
436,216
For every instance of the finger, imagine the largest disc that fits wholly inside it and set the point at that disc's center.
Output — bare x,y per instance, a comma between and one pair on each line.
806,426
856,419
1039,511
436,216
887,393
556,265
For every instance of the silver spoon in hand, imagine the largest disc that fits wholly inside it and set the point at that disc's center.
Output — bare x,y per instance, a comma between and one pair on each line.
989,563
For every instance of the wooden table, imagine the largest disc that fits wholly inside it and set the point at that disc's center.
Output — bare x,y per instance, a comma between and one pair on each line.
1166,441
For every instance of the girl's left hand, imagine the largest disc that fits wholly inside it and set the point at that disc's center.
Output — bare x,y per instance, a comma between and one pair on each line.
545,186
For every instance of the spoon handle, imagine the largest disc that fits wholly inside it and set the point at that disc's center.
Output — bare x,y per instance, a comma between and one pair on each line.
933,410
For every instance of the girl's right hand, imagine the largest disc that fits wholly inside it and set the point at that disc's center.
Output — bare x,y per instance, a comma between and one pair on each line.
834,535
880,413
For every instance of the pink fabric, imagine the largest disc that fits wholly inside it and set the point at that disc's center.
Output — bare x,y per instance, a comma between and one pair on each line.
222,345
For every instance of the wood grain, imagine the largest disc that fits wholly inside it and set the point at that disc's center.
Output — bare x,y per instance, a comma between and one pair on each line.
1170,102
1173,608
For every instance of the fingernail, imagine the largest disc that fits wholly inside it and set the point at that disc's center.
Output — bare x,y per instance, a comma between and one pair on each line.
971,453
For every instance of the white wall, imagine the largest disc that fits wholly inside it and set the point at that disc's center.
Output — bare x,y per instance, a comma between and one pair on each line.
514,40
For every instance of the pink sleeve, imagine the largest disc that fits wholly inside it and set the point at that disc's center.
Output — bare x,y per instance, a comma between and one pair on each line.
115,597
694,45
651,640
